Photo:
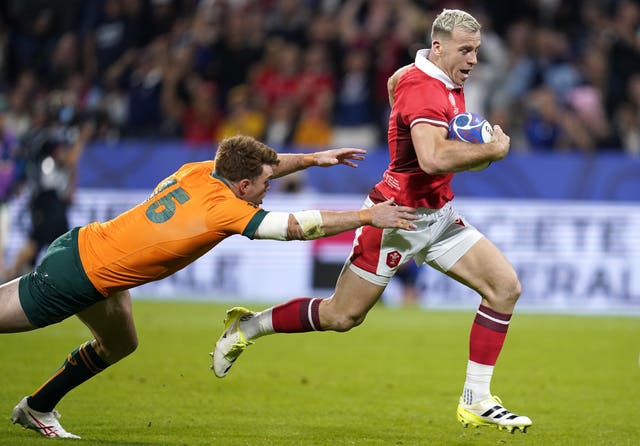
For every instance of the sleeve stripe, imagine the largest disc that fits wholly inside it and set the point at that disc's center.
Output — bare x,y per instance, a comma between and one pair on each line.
429,121
253,224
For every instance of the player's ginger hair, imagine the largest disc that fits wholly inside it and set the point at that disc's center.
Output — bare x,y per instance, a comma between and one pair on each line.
240,157
450,19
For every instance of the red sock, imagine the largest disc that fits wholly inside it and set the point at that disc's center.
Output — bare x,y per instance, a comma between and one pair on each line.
296,316
487,335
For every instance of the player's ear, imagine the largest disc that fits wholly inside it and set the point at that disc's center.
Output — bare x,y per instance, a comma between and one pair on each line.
243,185
436,46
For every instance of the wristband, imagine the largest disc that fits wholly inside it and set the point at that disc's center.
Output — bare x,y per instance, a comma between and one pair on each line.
365,217
308,160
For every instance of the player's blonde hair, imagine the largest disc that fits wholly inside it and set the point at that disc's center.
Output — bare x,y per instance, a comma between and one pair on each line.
242,157
450,19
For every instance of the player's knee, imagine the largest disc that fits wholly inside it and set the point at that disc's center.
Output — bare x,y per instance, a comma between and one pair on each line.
508,292
345,322
113,350
513,290
502,294
130,346
338,317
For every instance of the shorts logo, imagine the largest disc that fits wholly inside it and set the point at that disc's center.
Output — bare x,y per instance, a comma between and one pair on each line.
393,259
459,222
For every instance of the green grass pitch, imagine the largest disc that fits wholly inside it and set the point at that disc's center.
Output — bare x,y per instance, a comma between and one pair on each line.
393,381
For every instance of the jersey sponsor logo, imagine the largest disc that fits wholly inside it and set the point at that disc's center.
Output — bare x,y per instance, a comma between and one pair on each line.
393,259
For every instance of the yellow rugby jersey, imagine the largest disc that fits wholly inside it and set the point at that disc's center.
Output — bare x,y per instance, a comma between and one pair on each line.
187,214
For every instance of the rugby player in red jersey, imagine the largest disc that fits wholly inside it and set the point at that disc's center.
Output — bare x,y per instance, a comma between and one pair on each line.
425,96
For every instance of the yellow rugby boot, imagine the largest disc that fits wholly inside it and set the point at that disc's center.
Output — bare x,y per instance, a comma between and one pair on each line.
232,342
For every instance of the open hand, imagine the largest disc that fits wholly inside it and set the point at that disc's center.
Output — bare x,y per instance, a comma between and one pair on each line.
338,156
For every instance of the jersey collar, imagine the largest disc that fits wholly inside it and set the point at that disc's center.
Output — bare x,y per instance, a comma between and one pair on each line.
221,178
429,68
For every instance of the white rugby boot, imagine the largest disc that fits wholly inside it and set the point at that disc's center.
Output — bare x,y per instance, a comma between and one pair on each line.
232,342
491,412
45,423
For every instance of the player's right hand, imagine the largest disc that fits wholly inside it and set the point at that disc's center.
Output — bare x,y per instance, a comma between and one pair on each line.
501,141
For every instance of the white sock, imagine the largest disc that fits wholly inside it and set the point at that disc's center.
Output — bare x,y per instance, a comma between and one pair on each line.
477,386
257,325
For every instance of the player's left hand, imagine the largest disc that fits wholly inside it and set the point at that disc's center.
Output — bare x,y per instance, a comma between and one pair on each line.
338,156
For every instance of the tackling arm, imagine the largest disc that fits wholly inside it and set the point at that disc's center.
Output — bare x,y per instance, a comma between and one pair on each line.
309,225
290,162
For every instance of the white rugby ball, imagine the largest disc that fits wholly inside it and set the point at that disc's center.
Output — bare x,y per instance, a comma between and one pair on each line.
472,128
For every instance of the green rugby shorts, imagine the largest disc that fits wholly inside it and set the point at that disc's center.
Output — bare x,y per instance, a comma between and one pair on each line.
58,287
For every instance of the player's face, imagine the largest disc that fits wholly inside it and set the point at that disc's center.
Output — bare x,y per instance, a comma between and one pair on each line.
256,190
459,54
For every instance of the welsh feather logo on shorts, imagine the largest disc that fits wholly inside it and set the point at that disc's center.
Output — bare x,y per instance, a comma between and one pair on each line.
393,259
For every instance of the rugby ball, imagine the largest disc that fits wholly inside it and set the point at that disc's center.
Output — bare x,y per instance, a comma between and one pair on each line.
472,128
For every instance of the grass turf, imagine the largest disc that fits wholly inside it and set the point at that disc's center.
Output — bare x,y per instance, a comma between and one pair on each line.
393,381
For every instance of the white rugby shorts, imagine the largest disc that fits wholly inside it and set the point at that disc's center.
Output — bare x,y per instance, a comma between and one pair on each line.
441,238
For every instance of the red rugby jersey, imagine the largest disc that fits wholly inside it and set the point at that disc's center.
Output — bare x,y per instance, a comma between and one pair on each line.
424,94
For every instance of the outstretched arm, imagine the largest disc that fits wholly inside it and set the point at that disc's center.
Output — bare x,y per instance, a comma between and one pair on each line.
309,225
290,162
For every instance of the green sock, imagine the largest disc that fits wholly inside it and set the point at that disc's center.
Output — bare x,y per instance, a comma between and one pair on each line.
80,365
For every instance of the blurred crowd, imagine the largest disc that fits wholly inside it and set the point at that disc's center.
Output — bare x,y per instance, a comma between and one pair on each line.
557,75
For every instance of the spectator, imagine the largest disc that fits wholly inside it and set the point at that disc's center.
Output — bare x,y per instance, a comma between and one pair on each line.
317,80
479,90
144,83
234,53
160,20
108,37
354,120
188,100
288,19
281,123
314,126
627,118
549,127
628,128
35,28
514,81
205,31
64,61
586,51
242,117
17,118
323,31
624,54
279,78
8,176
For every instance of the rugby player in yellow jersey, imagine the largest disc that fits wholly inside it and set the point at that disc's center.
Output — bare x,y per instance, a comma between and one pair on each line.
88,271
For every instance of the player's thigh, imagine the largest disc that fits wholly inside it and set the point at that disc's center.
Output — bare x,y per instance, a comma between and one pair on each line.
12,316
485,269
112,324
